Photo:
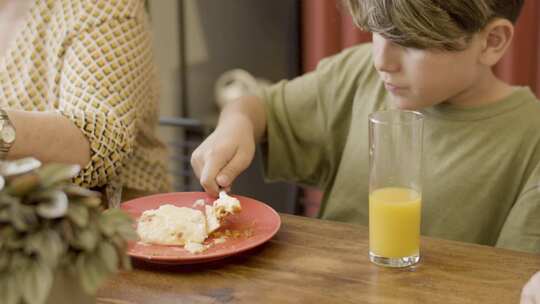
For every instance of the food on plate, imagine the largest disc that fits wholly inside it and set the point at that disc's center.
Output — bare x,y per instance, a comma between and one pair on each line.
223,206
226,205
183,226
199,203
171,225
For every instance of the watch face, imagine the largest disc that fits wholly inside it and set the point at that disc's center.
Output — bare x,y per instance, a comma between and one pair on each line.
8,134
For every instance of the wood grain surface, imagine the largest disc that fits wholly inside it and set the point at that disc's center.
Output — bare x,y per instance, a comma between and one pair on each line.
315,261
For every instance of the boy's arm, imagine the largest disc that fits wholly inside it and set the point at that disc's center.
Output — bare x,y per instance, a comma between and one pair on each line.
304,120
230,148
521,230
247,107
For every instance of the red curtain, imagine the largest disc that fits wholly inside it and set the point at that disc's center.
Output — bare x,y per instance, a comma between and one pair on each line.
521,64
327,28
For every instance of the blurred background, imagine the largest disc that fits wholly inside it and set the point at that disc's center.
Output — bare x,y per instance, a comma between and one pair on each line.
197,41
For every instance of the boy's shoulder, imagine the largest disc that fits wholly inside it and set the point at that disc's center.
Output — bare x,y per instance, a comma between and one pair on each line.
356,54
521,112
531,107
352,66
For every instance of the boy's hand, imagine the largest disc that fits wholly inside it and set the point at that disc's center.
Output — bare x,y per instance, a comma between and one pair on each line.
531,291
224,155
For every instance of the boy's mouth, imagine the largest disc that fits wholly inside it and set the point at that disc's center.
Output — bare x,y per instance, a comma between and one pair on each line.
393,88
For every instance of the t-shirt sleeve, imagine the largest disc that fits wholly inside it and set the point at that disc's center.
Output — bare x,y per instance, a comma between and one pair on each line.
295,131
103,85
521,230
308,118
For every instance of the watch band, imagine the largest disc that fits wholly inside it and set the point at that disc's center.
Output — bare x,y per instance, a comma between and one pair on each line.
7,134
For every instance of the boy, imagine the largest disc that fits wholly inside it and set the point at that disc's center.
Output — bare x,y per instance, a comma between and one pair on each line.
482,136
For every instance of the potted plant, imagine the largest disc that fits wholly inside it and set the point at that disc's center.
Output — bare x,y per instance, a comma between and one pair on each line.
57,244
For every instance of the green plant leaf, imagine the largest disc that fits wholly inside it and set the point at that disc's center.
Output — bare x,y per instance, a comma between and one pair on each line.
8,200
23,217
9,238
66,231
78,214
19,262
56,173
116,220
5,259
125,262
19,166
92,272
126,231
23,184
37,283
47,244
46,224
92,202
86,239
81,192
117,215
53,204
102,273
106,224
10,292
86,277
4,215
109,256
17,217
118,242
28,214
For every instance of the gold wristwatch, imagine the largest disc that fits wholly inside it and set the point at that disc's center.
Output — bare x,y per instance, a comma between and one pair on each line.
7,134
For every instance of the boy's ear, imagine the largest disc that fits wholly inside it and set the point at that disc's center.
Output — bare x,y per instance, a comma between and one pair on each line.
496,37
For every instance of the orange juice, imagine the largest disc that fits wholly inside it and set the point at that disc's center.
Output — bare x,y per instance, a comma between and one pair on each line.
394,222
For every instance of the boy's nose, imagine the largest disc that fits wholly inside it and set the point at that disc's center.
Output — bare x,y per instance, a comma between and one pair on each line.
385,55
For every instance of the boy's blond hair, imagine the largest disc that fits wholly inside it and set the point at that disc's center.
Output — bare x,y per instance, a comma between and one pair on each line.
437,24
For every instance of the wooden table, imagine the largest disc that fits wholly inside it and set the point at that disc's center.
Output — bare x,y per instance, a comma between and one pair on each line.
314,261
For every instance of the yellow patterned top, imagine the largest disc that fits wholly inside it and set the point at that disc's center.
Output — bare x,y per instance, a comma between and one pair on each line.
91,61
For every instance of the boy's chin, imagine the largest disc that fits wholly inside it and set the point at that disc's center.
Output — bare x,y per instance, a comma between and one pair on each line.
408,104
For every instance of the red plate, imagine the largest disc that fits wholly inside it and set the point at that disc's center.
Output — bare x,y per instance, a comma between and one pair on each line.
254,225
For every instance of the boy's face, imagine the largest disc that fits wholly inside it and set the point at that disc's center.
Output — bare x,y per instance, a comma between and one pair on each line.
421,78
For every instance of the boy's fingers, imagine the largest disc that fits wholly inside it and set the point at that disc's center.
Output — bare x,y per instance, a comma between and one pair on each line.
213,164
230,171
208,174
196,166
198,160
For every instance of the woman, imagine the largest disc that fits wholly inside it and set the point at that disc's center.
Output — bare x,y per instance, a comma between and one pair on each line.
77,85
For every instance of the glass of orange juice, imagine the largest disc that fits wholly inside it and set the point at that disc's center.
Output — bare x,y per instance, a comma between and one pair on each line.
395,187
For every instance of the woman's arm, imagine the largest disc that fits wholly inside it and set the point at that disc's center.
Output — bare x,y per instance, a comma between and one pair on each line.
49,137
107,90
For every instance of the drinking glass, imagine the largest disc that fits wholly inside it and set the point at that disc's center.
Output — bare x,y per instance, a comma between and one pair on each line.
395,187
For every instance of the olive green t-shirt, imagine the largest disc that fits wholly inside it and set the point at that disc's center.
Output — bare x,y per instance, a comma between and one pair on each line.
481,178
